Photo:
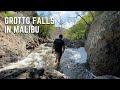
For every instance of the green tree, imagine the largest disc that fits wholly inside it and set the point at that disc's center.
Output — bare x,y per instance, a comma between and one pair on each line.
45,30
78,30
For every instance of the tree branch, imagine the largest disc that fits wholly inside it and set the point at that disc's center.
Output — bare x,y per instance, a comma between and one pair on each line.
92,14
82,18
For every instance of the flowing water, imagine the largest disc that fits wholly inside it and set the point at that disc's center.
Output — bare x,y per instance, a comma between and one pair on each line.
42,57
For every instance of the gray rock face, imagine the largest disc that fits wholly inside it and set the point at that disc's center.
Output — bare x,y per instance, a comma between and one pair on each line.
76,71
103,44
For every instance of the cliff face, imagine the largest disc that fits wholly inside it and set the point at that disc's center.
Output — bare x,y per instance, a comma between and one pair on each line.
14,47
103,44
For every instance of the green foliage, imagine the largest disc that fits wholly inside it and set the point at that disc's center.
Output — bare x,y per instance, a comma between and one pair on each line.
45,30
78,30
7,14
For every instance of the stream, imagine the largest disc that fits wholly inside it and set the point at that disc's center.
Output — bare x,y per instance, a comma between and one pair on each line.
42,57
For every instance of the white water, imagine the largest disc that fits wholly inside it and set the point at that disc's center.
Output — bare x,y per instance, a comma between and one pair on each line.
78,55
42,57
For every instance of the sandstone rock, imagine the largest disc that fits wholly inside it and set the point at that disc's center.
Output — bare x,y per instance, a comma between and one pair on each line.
103,44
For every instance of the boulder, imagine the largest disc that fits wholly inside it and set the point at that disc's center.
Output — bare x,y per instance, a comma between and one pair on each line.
74,44
31,73
103,44
79,43
76,71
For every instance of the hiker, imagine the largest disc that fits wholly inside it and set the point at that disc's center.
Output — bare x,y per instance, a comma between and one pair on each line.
58,48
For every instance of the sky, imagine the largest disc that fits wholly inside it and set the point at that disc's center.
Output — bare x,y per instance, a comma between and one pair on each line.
67,17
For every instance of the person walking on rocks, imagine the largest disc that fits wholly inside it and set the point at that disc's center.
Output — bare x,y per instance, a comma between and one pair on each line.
58,48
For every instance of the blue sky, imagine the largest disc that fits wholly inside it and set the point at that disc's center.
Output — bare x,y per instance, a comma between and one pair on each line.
68,17
45,12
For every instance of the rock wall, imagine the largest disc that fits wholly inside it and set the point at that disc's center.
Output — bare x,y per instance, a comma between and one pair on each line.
74,44
14,47
103,44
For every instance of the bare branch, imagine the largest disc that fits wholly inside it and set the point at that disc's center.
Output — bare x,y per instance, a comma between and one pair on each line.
92,14
82,18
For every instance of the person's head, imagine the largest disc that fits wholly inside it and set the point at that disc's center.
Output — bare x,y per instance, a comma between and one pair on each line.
60,36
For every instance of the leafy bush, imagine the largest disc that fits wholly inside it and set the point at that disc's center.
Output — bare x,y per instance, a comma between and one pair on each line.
7,14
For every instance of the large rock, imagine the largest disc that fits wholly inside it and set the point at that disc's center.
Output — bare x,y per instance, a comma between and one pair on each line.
31,73
103,44
74,44
76,71
79,43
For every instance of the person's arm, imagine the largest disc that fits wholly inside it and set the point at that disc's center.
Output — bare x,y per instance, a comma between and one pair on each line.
63,48
53,49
